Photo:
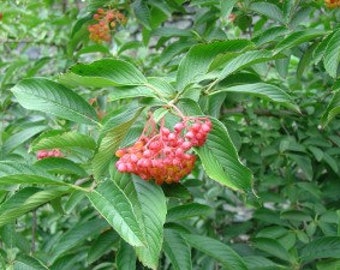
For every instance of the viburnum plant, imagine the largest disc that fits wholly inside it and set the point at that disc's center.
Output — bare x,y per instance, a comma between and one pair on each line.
200,135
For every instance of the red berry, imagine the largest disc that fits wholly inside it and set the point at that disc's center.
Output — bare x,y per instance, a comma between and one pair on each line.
189,135
162,155
121,167
179,127
172,136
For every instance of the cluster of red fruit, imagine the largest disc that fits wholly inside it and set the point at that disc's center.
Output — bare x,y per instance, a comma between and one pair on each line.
332,3
49,153
107,20
163,155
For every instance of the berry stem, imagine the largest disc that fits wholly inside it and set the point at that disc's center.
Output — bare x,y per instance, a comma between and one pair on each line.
178,111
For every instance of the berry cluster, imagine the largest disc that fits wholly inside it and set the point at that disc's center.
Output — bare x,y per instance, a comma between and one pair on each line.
107,20
49,153
163,155
332,3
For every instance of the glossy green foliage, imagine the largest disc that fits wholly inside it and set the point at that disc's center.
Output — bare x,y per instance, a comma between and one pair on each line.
264,192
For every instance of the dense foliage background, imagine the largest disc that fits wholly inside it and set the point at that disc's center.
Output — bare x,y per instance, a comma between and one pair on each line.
264,193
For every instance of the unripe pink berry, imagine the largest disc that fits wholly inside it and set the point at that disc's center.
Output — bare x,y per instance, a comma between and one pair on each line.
172,136
199,136
176,162
165,131
189,135
206,127
134,158
179,127
121,167
129,167
179,152
186,145
196,127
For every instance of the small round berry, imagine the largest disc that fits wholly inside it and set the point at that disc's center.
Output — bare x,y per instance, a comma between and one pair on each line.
120,152
186,145
206,127
121,167
165,131
179,127
147,153
172,136
189,135
179,152
196,127
134,158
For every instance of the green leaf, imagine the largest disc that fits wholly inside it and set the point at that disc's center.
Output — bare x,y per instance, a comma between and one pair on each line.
161,87
50,97
295,215
304,163
34,201
126,257
332,162
116,207
298,37
332,55
105,72
153,206
217,250
319,51
130,92
332,110
75,236
176,190
173,50
188,211
12,173
24,262
112,139
66,140
60,166
37,66
70,261
94,49
243,60
262,263
272,232
270,35
328,265
324,247
289,8
142,13
20,137
269,10
273,247
227,7
102,245
220,160
17,199
305,60
262,90
177,250
197,60
282,66
73,200
171,32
